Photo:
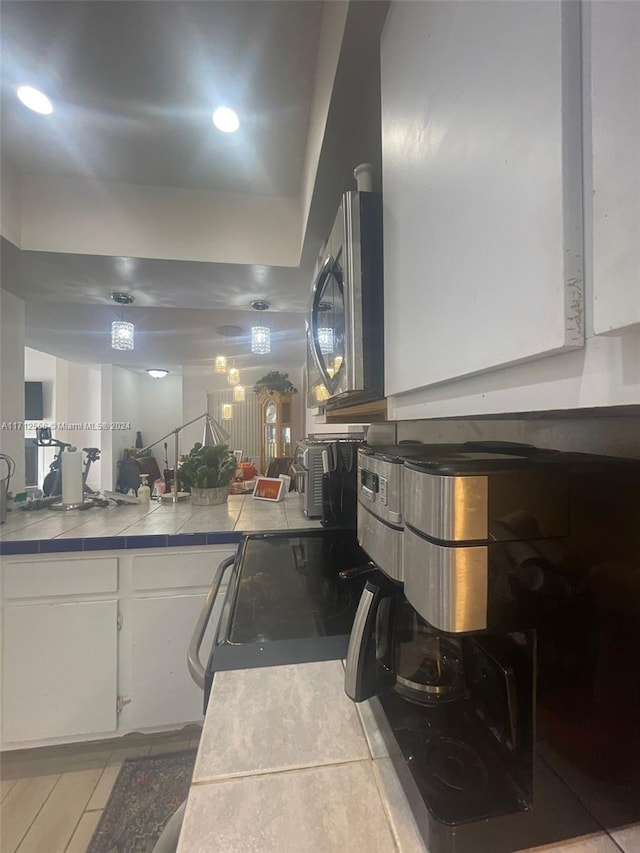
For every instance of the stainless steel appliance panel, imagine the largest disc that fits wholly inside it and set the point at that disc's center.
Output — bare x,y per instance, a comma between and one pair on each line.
454,509
380,487
381,542
447,586
344,329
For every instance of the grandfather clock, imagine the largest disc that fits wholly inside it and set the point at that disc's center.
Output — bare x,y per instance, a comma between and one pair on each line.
275,436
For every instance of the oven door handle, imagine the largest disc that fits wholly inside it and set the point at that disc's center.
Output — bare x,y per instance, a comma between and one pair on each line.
193,655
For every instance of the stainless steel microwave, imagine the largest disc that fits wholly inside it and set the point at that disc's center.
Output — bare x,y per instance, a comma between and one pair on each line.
345,323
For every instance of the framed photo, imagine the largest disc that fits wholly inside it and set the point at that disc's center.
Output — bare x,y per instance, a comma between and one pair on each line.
238,455
269,489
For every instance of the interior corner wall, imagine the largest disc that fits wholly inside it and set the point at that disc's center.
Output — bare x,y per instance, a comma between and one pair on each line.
159,412
12,327
10,210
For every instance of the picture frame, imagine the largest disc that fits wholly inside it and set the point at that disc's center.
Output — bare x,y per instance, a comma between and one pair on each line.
269,489
238,455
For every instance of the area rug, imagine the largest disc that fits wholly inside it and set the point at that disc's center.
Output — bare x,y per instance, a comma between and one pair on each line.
146,793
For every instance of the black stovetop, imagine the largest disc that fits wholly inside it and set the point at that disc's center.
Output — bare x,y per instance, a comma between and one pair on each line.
286,602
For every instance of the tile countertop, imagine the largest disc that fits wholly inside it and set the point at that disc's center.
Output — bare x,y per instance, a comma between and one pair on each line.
287,762
26,531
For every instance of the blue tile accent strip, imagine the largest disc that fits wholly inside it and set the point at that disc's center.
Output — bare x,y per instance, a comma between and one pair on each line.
104,543
109,543
24,546
225,537
156,540
50,546
187,539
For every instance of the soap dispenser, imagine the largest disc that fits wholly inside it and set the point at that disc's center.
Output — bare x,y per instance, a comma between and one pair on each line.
144,492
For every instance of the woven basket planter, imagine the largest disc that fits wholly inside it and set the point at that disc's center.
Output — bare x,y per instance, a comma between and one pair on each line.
209,497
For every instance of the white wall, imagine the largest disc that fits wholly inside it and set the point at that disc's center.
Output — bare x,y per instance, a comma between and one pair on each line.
159,411
10,226
334,17
102,218
616,436
197,384
12,383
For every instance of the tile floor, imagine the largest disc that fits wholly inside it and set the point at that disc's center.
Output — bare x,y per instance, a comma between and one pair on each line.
52,798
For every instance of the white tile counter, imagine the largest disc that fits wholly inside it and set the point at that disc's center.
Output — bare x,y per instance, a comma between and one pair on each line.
288,762
241,513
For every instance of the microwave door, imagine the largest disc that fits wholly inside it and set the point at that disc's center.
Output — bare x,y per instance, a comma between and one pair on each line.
326,328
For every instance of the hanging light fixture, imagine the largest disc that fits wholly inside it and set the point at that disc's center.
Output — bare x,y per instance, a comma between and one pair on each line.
122,332
227,411
233,377
260,335
221,364
325,339
238,394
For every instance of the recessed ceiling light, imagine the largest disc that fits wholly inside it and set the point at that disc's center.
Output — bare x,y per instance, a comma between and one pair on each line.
35,100
226,120
157,373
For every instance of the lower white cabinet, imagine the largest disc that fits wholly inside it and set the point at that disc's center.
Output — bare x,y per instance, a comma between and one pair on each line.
96,646
163,692
59,670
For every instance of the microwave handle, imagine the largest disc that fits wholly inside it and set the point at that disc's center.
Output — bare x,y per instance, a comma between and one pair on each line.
364,675
193,655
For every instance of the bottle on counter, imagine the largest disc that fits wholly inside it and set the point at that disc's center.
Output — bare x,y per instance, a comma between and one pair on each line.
144,492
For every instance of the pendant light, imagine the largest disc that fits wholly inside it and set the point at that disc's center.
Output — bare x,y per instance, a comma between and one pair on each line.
239,394
221,364
325,340
227,411
122,332
233,377
260,335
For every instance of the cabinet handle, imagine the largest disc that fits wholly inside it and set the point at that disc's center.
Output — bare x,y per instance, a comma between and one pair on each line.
193,655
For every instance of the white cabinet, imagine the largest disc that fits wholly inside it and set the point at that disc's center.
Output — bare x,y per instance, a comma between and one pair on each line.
168,594
482,180
613,35
163,692
59,670
475,282
96,646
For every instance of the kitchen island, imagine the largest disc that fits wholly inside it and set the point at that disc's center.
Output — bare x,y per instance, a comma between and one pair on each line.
98,608
287,762
127,525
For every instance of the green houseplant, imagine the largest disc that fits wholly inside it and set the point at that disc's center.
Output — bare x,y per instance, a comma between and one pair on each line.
275,381
208,471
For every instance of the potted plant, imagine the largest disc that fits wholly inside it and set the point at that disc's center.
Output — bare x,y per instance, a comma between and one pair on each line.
208,471
275,381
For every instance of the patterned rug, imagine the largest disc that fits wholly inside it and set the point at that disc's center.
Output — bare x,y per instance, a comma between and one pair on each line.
146,793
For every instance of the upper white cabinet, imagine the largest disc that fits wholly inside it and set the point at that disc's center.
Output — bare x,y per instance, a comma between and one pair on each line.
482,174
614,41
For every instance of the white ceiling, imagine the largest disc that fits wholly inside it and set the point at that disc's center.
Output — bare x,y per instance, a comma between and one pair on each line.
134,85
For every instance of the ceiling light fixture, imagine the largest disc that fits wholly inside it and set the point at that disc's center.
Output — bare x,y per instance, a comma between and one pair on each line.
35,100
221,364
227,411
233,377
122,332
226,120
239,394
157,372
260,335
325,339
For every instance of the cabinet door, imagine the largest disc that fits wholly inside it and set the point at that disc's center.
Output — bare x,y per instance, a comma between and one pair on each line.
59,670
482,172
163,692
615,112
